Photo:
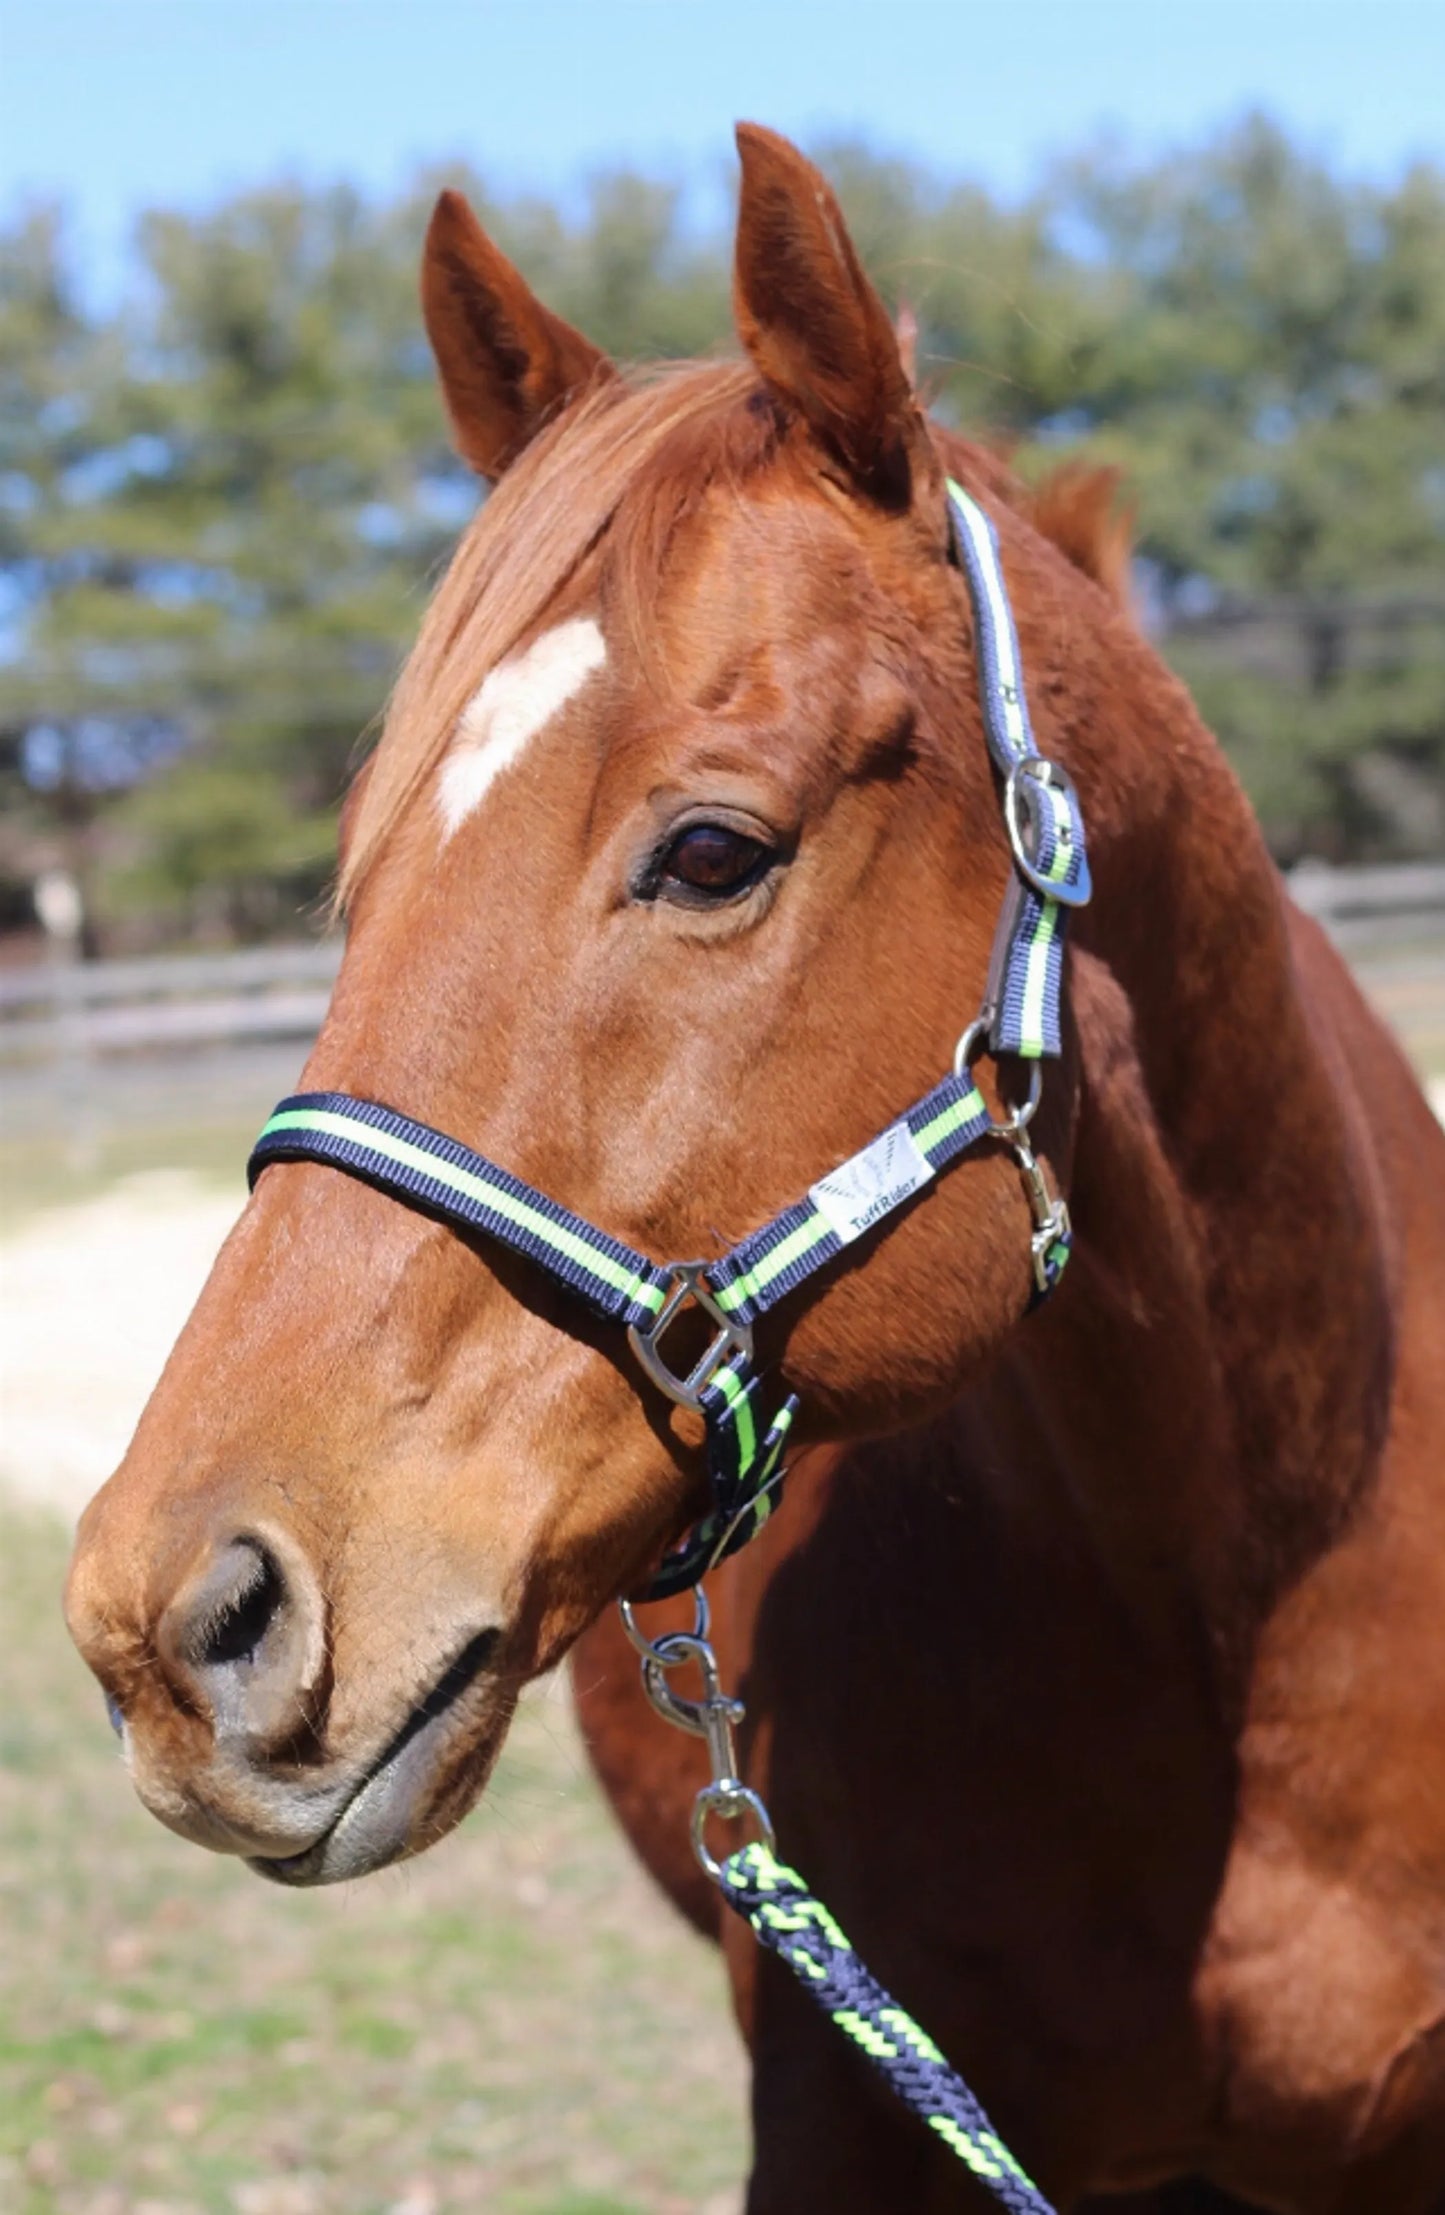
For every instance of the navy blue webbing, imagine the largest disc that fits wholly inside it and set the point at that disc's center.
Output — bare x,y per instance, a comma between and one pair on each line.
745,1474
777,1259
412,1161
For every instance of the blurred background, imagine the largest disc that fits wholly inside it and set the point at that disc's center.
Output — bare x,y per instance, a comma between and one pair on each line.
1204,244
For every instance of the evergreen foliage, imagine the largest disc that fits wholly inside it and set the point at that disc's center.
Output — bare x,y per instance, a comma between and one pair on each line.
221,505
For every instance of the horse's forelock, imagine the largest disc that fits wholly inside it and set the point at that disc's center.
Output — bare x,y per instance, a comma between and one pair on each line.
638,455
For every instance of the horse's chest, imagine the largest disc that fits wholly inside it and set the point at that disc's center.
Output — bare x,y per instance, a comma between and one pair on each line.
1321,1996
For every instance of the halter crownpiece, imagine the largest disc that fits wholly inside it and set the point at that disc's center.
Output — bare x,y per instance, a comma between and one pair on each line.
428,1170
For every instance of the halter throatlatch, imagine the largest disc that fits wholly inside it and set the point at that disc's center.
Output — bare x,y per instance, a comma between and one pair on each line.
745,1445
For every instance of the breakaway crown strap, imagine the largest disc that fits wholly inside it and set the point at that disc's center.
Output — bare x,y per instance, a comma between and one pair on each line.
1046,829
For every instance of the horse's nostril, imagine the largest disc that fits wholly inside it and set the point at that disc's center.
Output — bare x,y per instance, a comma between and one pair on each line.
238,1618
247,1635
227,1615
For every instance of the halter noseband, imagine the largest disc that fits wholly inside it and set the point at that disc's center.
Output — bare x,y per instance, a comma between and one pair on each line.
1020,1016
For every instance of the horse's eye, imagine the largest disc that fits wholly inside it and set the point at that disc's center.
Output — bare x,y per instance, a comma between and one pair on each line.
709,860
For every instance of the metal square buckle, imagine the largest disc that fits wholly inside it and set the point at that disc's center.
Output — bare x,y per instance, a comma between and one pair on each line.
1022,802
689,1284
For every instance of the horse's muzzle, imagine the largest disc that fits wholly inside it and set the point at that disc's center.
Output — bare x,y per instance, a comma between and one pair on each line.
422,1782
244,1734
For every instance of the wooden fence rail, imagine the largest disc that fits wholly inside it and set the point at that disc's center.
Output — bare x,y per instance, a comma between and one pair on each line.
62,1009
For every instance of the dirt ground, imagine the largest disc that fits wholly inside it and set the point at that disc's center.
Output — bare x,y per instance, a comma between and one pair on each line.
96,1291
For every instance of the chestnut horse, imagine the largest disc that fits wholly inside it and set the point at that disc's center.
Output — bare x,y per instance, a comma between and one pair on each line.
1095,1661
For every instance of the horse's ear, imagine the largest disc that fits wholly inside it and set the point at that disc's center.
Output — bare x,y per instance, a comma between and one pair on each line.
811,321
506,362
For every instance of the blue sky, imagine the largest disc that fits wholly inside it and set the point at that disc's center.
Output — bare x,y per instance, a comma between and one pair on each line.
114,105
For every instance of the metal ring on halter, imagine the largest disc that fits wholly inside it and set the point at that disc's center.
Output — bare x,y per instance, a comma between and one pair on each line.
690,1288
701,1624
728,1800
966,1053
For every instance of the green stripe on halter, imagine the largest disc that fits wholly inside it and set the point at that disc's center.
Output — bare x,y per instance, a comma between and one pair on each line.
798,1242
742,1414
1036,977
493,1196
945,1124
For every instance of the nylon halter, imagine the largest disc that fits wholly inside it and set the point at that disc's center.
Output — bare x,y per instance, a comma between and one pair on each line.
744,1443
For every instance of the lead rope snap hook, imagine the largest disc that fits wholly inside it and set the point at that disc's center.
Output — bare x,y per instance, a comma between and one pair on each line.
1049,1209
714,1718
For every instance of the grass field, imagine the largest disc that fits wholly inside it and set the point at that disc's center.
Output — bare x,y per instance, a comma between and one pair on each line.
515,2023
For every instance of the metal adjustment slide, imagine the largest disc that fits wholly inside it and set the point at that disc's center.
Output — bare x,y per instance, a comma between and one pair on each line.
1023,803
690,1288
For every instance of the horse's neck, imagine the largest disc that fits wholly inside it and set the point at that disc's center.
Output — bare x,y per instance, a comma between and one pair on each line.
1214,1378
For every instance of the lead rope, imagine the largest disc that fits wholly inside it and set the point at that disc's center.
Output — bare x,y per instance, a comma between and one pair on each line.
789,1919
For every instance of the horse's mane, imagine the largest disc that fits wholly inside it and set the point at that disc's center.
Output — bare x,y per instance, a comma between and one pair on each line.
639,453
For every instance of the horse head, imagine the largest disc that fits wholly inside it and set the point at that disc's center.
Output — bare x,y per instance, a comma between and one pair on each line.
673,878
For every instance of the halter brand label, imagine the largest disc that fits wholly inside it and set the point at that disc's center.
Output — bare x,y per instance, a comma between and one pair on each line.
856,1196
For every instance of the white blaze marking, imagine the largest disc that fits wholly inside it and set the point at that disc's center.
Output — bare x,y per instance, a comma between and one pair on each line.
514,702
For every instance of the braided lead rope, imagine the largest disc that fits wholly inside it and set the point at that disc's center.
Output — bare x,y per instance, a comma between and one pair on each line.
786,1917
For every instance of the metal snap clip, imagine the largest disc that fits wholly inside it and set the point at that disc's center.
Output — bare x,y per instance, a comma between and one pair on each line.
1049,1210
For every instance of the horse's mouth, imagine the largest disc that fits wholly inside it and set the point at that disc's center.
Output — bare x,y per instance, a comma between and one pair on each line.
413,1793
